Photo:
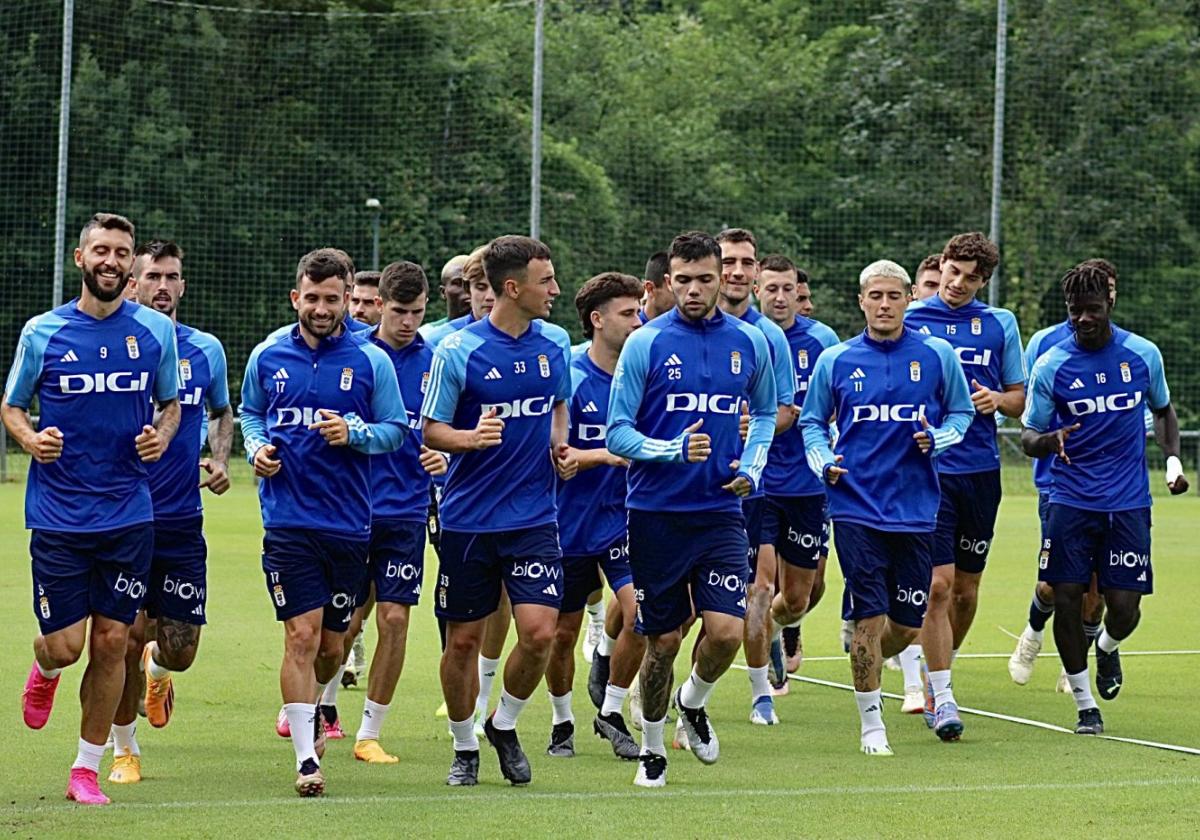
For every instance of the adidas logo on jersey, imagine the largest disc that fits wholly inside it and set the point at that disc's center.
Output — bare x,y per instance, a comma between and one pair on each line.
280,374
69,357
1076,385
493,374
858,374
672,360
925,331
590,408
551,590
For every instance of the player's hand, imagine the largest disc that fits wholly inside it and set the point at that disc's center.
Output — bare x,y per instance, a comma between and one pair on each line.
218,476
1061,436
566,464
699,446
740,486
833,472
744,422
923,438
432,461
489,430
333,427
985,400
47,445
264,465
1177,482
150,445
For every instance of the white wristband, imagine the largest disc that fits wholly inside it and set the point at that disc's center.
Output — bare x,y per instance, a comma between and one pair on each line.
1174,469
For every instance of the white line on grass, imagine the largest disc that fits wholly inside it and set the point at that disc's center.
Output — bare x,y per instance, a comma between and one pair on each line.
1048,655
509,795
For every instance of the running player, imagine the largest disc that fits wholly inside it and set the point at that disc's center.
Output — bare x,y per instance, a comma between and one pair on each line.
497,402
366,307
988,344
688,369
739,274
316,404
177,590
93,364
1085,407
804,302
794,525
453,290
480,296
592,533
899,397
929,277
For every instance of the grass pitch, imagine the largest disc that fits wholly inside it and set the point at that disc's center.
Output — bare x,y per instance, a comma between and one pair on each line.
219,769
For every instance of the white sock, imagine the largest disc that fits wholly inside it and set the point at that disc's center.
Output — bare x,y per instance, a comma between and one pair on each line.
300,718
652,737
606,644
939,683
464,735
760,685
1106,642
562,710
953,655
372,720
695,691
508,710
870,715
1037,635
1081,687
154,670
596,612
125,739
614,699
329,691
48,673
910,666
487,674
89,756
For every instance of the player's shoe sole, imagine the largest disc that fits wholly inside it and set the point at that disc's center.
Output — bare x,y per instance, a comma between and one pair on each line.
310,781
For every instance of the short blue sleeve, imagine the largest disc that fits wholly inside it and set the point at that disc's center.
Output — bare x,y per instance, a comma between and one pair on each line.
560,337
824,334
166,379
1039,401
447,376
218,386
27,365
1160,394
1012,362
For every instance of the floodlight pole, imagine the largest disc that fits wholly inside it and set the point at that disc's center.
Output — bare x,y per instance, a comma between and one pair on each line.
535,168
998,139
64,132
377,208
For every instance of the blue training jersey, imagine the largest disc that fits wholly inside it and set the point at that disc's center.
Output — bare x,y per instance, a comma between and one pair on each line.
399,484
203,388
320,487
353,326
673,372
1039,343
879,391
591,506
94,380
435,333
1105,391
787,473
781,366
476,369
988,344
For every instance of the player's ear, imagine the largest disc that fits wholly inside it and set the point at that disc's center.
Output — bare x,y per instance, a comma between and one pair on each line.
295,296
78,258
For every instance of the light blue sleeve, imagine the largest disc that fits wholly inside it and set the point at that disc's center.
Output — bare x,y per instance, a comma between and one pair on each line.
1012,363
218,387
253,411
1039,400
563,340
818,408
956,398
629,384
764,403
26,370
824,334
437,334
166,379
389,420
1033,350
781,362
1160,394
447,375
578,375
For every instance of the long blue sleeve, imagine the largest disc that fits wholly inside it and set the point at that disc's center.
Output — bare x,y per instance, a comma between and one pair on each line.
764,401
389,419
629,383
956,400
814,417
253,411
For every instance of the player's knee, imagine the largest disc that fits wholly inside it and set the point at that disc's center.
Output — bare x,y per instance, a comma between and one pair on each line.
63,651
537,635
940,589
108,641
796,602
966,598
667,644
302,640
1068,597
392,618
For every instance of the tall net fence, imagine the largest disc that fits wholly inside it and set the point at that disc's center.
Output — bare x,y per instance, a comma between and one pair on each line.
838,133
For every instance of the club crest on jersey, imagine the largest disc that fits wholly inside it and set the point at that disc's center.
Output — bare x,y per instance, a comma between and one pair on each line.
424,381
976,326
1126,374
735,362
914,371
544,366
185,370
131,347
802,359
347,379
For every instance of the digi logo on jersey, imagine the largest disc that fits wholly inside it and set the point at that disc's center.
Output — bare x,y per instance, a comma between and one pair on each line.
591,431
972,356
885,413
293,416
528,407
1102,404
121,381
193,396
703,403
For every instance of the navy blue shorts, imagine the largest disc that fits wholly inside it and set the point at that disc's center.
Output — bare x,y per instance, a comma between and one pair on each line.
966,520
581,573
678,559
887,573
103,572
752,512
1114,546
396,562
308,570
178,572
796,526
472,567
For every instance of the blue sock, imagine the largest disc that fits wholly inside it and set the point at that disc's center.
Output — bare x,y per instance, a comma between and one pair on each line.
1039,612
1091,631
